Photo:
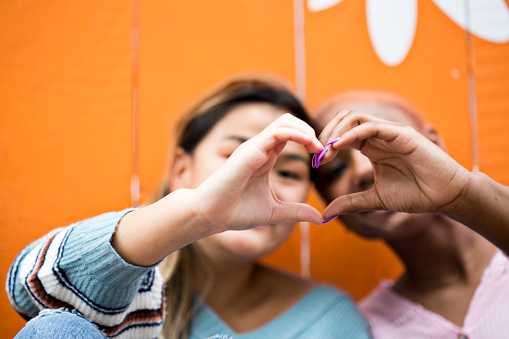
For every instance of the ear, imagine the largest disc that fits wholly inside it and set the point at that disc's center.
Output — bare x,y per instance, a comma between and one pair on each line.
180,172
430,132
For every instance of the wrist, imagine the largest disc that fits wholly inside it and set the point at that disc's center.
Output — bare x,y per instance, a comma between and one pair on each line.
149,234
462,204
183,207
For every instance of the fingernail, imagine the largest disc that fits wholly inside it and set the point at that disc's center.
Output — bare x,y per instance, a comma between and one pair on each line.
333,141
327,220
317,157
313,161
321,155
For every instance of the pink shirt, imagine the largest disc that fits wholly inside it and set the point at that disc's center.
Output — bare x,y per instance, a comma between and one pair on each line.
390,315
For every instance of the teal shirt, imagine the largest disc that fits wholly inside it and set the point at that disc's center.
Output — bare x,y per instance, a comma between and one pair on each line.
324,312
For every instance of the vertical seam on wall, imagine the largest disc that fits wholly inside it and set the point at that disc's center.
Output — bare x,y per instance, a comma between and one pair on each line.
135,85
305,252
472,108
300,60
300,79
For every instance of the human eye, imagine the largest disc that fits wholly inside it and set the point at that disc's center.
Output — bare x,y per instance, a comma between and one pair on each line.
228,148
291,175
336,170
226,155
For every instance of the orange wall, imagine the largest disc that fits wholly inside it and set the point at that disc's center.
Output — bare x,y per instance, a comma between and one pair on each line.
66,118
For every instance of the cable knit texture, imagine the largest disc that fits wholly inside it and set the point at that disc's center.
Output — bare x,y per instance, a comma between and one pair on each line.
77,268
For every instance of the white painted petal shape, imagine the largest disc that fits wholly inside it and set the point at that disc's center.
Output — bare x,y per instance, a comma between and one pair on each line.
320,5
391,26
489,19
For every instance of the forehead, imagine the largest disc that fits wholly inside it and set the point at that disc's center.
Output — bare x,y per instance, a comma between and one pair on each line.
249,119
246,121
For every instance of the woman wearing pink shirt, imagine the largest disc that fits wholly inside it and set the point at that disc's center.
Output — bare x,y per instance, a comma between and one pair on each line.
456,280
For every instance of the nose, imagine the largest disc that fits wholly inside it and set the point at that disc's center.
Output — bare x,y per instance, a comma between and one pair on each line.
364,177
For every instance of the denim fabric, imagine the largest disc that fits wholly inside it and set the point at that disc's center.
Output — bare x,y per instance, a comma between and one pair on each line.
60,324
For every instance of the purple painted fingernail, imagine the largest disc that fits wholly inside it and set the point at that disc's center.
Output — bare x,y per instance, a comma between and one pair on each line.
327,220
321,155
333,141
317,157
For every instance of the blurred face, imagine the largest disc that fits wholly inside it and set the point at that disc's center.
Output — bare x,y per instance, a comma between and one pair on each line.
289,179
352,172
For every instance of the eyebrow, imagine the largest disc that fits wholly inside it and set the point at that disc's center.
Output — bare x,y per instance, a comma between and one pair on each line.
235,138
292,157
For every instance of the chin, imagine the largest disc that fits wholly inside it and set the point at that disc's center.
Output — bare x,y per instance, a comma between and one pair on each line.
386,225
374,224
251,244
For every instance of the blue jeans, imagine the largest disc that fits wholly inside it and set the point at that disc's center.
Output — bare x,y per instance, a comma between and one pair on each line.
60,324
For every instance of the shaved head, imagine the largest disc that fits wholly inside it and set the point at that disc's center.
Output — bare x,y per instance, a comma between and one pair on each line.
380,103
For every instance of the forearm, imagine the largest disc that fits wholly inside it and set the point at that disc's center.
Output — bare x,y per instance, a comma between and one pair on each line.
75,261
146,236
483,207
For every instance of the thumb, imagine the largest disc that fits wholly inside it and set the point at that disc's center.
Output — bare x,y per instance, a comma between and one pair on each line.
351,203
293,212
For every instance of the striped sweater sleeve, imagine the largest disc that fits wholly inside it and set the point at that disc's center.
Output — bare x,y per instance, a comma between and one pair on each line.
77,268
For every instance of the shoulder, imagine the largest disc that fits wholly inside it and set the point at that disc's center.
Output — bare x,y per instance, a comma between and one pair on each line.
378,300
304,290
386,311
331,301
335,314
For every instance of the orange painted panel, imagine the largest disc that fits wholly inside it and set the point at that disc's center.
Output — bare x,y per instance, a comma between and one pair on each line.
433,76
65,120
65,105
492,97
189,46
340,56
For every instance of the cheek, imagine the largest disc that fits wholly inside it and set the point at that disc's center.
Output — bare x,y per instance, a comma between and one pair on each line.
204,169
278,235
284,231
291,192
301,192
337,188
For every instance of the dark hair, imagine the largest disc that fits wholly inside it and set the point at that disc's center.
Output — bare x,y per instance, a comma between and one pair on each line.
179,268
236,93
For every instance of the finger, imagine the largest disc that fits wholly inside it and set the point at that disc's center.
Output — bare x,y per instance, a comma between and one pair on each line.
328,132
317,157
263,149
347,120
289,120
351,203
282,134
344,121
382,131
293,212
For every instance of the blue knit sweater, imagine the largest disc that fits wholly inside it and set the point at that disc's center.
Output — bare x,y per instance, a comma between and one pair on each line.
77,268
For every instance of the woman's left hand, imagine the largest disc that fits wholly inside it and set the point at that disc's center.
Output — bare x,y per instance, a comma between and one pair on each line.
411,173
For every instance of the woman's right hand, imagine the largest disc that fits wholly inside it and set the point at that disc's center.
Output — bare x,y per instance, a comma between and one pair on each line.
238,195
